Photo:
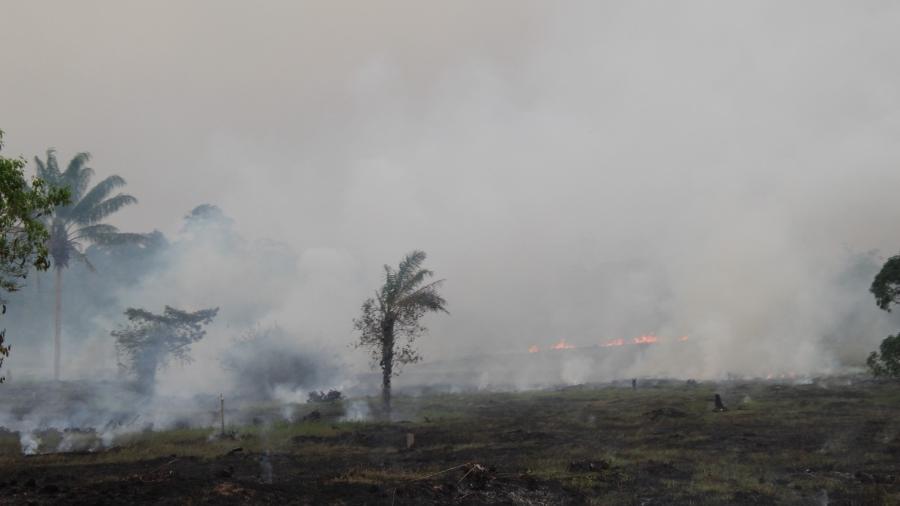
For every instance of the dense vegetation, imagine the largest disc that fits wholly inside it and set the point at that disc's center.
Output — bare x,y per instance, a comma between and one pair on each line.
23,234
886,288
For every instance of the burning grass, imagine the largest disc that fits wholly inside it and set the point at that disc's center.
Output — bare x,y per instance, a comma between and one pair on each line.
824,442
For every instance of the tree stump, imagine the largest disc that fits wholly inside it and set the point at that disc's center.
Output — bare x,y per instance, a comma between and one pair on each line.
719,406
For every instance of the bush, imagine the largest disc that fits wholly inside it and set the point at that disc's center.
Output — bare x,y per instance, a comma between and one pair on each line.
886,363
331,396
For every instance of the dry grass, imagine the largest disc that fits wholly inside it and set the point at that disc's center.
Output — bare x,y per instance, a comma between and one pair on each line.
778,444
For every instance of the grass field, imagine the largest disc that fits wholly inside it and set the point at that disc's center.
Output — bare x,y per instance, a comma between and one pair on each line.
831,441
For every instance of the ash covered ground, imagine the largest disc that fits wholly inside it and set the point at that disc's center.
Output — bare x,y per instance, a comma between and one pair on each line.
814,441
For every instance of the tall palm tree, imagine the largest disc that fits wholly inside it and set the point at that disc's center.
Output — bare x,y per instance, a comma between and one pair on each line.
394,312
80,222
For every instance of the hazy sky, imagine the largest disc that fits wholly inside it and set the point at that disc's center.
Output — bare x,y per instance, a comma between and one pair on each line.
588,170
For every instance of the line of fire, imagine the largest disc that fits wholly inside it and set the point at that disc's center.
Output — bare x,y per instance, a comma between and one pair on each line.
646,339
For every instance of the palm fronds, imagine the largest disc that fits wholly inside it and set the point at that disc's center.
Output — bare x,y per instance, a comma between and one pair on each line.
81,220
104,209
97,194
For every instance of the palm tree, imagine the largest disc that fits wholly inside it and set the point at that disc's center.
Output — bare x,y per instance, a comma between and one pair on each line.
79,222
394,312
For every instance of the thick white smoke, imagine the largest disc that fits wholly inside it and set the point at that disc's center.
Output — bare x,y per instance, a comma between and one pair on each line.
581,170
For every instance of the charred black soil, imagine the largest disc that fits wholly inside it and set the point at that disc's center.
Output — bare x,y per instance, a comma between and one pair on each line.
826,442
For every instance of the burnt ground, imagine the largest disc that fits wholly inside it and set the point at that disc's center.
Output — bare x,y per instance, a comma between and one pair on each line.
829,442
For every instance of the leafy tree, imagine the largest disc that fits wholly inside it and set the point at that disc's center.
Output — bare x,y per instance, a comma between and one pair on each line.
886,288
23,235
150,340
886,363
207,216
390,321
80,221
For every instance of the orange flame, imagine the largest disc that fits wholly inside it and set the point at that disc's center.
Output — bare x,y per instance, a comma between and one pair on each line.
645,339
562,345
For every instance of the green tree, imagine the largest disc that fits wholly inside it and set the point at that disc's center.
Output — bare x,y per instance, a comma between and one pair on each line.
886,285
886,288
150,340
390,321
886,363
79,222
23,235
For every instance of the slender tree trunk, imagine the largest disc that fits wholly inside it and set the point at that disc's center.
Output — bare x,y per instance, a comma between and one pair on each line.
146,367
387,366
57,324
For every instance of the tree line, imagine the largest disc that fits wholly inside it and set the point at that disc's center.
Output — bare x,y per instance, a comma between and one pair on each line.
48,222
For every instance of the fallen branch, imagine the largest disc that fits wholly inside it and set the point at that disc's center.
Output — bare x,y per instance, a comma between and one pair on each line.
442,472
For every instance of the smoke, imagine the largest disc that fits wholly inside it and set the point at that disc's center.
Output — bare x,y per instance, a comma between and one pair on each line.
29,443
89,416
267,364
356,410
589,171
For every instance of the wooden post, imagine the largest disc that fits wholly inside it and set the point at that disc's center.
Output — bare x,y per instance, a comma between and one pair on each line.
222,411
719,405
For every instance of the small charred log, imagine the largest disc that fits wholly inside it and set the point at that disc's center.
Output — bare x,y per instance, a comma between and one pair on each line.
331,396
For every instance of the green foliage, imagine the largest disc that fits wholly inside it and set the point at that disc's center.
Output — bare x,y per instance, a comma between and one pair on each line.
886,363
150,340
23,235
396,311
886,286
81,219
